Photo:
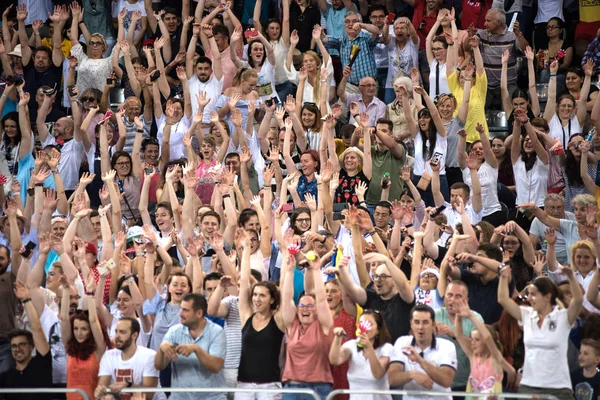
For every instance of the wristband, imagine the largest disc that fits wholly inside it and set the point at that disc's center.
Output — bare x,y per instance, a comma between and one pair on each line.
551,75
408,226
27,300
39,184
323,80
210,37
139,130
226,196
90,293
373,232
30,192
355,115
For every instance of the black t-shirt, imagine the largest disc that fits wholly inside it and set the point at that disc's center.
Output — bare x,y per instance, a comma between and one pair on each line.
37,374
304,23
395,311
35,80
345,192
593,88
585,388
483,298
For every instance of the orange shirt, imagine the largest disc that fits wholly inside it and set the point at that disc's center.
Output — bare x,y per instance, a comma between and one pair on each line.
82,374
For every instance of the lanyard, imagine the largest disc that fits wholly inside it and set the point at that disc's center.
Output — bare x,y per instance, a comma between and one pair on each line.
563,131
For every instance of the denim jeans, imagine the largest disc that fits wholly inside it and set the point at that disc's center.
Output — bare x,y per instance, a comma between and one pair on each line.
427,195
285,88
390,95
322,389
5,357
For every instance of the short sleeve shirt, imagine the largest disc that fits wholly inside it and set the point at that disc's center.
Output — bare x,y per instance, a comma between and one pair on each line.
395,312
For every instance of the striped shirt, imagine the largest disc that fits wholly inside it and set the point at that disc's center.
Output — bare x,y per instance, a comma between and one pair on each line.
233,333
492,47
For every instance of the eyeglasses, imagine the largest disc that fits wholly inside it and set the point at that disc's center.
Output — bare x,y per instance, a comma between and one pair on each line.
552,27
303,220
381,277
123,164
350,21
85,99
253,239
95,44
428,276
309,306
21,345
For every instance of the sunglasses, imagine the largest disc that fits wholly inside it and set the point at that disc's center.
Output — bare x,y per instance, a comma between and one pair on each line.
95,44
86,99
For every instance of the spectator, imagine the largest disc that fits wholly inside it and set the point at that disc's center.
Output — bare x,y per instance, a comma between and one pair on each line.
364,63
586,376
434,364
558,49
378,16
402,51
128,364
194,336
495,39
366,98
303,17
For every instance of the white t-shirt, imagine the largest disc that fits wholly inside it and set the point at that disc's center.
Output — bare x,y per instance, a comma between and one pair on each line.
213,88
488,179
71,156
532,185
360,376
133,370
442,352
549,9
265,87
137,6
308,94
381,52
432,79
421,165
401,60
454,218
546,348
51,327
563,133
142,339
177,132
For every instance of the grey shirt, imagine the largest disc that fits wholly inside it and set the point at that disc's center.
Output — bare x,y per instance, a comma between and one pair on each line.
539,229
452,129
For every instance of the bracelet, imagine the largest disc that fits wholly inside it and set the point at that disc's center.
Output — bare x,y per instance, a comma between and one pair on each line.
408,226
323,80
139,130
30,192
27,300
39,184
551,75
373,232
500,267
36,33
90,293
226,196
355,115
210,37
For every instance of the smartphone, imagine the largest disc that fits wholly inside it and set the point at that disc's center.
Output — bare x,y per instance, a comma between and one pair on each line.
269,102
110,81
437,157
437,211
71,90
110,264
102,269
390,18
148,171
288,207
512,22
155,75
250,33
28,249
338,216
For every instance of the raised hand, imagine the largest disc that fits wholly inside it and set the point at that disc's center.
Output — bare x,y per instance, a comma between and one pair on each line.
294,38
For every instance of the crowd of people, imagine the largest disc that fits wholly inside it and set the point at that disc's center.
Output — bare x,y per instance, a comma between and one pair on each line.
303,194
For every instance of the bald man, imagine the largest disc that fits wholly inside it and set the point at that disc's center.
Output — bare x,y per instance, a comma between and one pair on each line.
366,100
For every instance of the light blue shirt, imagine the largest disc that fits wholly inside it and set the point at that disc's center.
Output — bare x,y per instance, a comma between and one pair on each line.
335,23
189,372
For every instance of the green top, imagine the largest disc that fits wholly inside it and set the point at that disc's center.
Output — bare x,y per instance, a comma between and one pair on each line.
384,161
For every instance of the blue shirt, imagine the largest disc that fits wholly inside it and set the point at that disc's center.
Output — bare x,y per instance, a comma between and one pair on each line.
26,167
189,372
335,23
304,187
364,65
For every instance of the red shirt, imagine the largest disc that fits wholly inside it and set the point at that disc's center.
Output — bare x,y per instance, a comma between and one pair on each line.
423,22
473,12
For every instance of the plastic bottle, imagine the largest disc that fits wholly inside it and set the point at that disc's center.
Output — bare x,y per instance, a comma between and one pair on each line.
385,181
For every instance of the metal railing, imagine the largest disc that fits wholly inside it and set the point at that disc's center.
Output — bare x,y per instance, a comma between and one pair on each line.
224,390
46,390
511,395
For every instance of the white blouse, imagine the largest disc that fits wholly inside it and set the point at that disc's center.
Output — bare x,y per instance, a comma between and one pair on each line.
421,165
488,178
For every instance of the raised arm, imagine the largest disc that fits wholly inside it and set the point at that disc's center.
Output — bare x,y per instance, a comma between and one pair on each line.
588,68
504,298
550,109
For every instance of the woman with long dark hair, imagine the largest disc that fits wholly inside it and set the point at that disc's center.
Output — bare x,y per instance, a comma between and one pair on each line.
546,327
572,169
430,145
369,355
261,59
530,166
519,252
262,327
85,339
505,170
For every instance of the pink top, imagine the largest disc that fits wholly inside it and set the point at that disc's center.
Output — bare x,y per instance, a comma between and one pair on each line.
483,378
307,357
229,68
206,182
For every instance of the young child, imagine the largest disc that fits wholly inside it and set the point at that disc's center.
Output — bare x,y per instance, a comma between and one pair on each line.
484,352
586,380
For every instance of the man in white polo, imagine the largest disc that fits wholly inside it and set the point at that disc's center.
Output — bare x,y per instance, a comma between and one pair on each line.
422,361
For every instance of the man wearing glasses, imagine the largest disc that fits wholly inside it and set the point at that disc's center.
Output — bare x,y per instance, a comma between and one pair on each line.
392,295
364,64
366,100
